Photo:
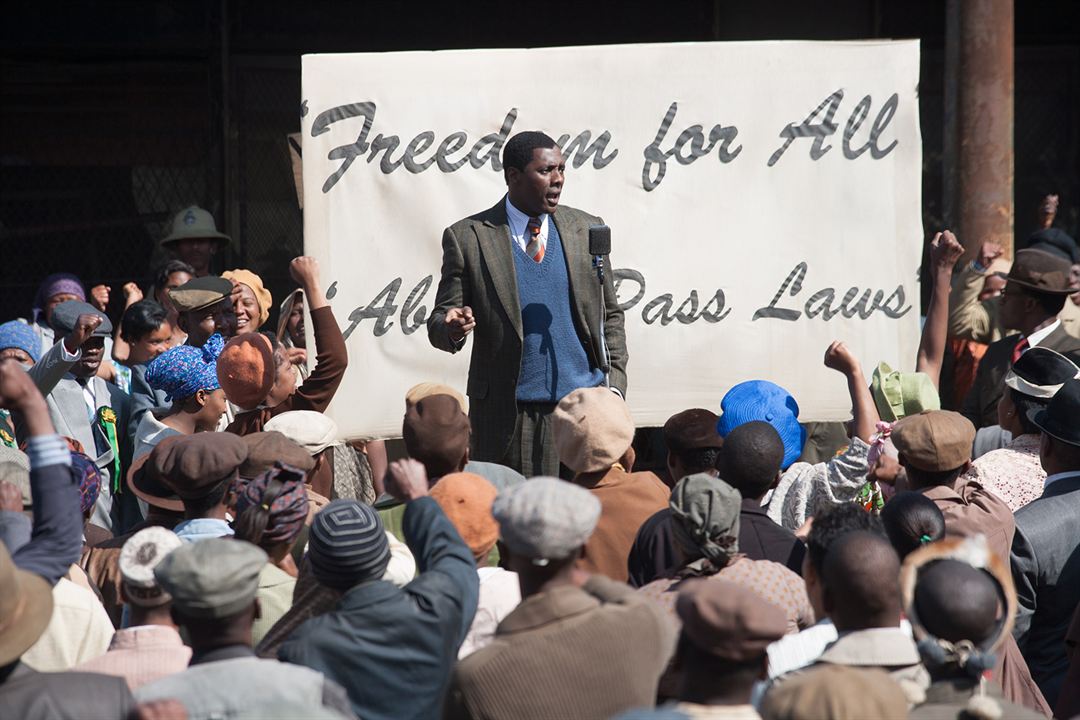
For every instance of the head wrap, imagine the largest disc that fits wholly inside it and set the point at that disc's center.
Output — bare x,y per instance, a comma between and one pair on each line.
466,499
545,518
89,477
184,370
705,517
768,402
279,493
57,284
15,334
898,394
253,281
348,545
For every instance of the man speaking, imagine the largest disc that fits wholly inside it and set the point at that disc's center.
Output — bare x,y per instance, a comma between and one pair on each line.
521,276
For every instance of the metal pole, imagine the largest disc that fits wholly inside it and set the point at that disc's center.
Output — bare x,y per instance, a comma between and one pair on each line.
984,110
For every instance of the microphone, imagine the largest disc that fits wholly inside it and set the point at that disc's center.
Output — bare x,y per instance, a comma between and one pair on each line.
599,246
599,240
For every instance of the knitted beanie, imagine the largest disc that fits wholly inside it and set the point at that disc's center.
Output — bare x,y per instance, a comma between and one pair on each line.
348,545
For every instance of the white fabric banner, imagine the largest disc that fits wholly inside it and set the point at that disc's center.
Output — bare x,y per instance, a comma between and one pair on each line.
764,200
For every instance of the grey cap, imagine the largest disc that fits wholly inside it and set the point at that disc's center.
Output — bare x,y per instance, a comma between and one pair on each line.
214,578
66,315
143,552
15,469
545,518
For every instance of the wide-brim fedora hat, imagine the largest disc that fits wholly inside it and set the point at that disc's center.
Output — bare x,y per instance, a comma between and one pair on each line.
147,484
1040,271
1060,419
194,223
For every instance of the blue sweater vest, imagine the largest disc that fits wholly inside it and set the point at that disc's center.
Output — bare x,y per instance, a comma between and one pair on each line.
553,360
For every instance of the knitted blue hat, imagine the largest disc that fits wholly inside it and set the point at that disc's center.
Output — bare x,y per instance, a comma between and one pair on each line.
768,402
16,334
348,544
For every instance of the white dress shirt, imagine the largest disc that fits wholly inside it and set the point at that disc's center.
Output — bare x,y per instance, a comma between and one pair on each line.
519,221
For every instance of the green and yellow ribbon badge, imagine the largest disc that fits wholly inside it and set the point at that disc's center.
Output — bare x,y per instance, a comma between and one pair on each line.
107,419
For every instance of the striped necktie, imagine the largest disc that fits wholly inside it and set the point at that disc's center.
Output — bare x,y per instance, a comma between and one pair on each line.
533,247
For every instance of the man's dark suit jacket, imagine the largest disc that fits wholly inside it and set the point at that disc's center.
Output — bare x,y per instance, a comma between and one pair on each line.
980,404
1046,570
478,271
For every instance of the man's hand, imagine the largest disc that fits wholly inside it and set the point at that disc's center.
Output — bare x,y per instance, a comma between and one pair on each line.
839,358
99,297
460,321
945,251
406,480
297,356
17,389
10,497
989,252
1048,208
132,294
84,328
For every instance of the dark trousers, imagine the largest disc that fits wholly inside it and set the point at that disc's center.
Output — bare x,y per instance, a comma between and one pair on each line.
532,448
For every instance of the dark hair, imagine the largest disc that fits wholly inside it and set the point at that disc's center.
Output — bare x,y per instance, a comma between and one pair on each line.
832,524
956,601
141,319
912,520
518,151
931,478
202,505
1051,305
161,277
251,524
697,460
752,457
1024,404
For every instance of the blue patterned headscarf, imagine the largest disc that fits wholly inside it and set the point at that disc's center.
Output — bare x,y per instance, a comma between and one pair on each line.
16,334
182,371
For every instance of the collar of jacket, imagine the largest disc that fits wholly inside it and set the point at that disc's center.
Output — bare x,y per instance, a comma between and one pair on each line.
753,507
548,607
875,647
229,652
959,495
367,594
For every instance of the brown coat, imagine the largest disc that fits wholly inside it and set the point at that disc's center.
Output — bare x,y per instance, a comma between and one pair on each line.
626,501
589,652
318,390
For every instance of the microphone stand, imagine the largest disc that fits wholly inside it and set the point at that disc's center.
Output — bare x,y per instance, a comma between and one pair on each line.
598,263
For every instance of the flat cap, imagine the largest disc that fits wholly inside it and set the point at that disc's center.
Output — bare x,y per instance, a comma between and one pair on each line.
143,552
727,620
546,518
1040,271
934,440
436,432
213,578
66,315
200,293
267,447
195,465
426,389
692,429
592,429
311,430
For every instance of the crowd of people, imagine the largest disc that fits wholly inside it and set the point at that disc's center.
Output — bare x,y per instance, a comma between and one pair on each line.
185,533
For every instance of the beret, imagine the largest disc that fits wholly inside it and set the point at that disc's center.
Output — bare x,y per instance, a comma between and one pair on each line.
545,518
692,430
195,465
768,402
266,448
592,429
934,440
466,498
212,578
246,369
200,293
66,315
727,620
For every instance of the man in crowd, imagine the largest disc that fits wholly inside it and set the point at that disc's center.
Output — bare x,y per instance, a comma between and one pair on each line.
1036,290
150,646
204,307
407,637
195,239
1044,551
213,585
86,408
593,435
520,274
578,645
